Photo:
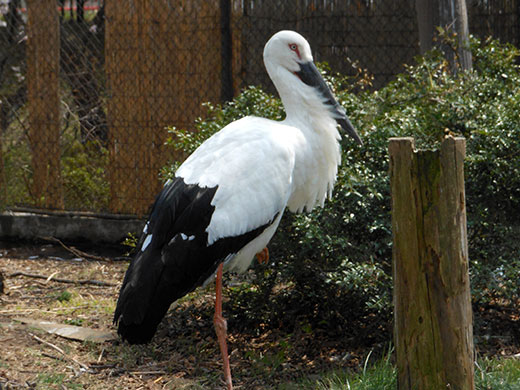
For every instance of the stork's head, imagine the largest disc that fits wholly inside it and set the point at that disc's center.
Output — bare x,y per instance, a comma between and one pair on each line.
287,49
288,59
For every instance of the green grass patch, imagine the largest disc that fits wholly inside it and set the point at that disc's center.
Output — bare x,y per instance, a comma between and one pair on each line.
74,321
490,374
497,374
50,378
380,375
64,296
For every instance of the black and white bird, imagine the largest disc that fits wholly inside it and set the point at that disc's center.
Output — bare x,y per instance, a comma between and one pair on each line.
226,200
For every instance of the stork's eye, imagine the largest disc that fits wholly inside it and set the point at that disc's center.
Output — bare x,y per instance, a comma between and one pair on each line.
293,47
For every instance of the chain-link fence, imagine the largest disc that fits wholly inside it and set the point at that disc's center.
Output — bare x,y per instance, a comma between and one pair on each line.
53,105
88,87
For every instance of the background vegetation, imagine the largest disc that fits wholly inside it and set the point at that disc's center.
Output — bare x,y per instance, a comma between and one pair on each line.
331,268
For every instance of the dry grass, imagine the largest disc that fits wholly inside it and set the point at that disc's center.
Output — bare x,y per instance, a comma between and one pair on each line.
183,354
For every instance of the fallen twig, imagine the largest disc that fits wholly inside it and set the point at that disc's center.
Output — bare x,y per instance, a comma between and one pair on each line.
151,372
76,251
61,280
100,355
52,356
56,348
29,310
99,366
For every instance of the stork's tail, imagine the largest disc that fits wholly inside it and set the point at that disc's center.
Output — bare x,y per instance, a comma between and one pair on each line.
141,306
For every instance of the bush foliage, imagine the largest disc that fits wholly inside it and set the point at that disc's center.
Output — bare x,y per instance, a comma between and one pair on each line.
332,267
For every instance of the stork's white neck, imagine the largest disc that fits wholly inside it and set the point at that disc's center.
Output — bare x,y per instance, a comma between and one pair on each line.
318,158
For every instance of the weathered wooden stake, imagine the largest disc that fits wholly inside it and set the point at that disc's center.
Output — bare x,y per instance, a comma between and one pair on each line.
43,69
432,303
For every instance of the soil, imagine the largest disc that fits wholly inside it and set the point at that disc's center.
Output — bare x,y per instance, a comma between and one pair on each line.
184,353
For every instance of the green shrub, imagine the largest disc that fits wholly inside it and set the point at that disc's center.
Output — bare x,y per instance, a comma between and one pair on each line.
84,173
333,266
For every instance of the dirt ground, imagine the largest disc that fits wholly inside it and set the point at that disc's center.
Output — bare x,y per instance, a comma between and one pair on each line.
184,353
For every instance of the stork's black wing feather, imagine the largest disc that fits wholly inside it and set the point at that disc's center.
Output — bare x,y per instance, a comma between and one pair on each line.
173,258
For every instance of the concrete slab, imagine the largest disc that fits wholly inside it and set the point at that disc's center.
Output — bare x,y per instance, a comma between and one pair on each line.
69,226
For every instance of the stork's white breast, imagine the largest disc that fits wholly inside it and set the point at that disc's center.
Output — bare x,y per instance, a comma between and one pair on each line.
251,161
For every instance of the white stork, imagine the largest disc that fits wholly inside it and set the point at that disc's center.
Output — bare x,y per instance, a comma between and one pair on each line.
226,200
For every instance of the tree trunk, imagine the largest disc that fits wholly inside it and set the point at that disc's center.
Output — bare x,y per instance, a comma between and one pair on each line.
156,78
43,65
451,16
432,303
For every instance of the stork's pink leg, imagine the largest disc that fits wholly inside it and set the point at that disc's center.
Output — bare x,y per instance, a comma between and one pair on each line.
221,328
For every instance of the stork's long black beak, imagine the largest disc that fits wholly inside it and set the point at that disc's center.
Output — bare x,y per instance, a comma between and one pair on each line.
310,75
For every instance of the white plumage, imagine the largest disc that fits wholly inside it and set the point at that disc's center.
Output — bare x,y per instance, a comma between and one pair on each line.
261,166
228,197
250,162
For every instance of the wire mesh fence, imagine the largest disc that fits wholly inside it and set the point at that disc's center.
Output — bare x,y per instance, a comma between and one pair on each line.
87,88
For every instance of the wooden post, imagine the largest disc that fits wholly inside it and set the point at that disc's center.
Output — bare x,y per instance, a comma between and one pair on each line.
432,303
160,68
43,68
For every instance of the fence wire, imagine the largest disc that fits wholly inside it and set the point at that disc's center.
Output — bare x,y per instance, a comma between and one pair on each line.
87,88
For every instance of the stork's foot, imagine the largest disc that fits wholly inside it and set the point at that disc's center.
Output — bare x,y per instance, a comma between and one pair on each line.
263,256
221,330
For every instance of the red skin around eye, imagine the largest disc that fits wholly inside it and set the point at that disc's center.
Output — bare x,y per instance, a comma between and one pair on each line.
294,48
